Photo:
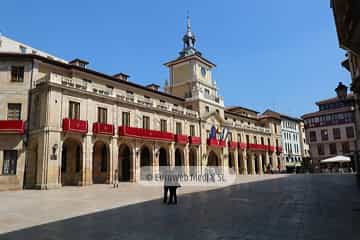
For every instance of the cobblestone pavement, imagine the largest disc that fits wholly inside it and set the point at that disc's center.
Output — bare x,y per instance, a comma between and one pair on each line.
266,207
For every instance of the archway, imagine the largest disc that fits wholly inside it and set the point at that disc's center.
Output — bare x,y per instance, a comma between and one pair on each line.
179,160
71,162
124,163
257,164
145,162
101,162
249,164
163,161
193,162
213,159
231,160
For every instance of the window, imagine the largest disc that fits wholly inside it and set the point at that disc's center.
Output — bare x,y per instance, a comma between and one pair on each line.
345,147
17,73
333,149
207,109
22,49
207,92
324,135
350,132
10,162
126,119
102,115
255,140
74,110
230,136
192,130
163,125
239,137
247,139
321,149
262,140
178,128
14,111
146,122
336,133
312,136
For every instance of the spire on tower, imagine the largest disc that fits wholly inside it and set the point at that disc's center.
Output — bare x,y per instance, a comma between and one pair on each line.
188,40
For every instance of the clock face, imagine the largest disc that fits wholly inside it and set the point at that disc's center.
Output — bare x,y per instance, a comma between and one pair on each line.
203,71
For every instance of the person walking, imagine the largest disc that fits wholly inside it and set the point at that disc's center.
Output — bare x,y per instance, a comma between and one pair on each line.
174,186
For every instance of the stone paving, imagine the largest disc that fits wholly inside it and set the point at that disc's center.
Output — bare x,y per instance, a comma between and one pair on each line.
261,207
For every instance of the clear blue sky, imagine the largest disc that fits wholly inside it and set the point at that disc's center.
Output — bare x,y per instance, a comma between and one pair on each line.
276,54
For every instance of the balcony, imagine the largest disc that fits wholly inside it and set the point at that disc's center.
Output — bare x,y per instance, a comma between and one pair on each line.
74,125
271,148
233,145
181,139
258,147
213,142
104,129
242,146
12,126
194,140
145,133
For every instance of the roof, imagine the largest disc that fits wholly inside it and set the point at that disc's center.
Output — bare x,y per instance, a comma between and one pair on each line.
235,108
270,112
87,70
187,58
326,112
350,96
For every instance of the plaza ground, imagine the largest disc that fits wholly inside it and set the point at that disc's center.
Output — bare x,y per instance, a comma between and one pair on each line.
256,207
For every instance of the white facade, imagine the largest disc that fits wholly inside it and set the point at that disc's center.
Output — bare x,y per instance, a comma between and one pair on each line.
8,45
291,141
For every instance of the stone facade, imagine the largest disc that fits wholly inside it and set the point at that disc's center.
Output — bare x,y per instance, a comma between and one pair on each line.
86,127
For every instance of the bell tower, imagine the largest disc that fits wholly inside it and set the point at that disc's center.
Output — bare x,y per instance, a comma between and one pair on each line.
190,77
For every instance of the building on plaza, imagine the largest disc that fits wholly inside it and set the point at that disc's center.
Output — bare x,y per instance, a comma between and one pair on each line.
347,22
293,141
305,147
63,123
331,130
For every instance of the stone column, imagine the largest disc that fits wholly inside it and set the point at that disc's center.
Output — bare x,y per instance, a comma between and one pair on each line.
114,150
186,160
172,155
87,154
244,163
253,171
267,161
274,161
135,160
155,162
236,162
260,164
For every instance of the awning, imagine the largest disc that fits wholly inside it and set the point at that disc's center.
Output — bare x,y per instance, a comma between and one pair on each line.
336,159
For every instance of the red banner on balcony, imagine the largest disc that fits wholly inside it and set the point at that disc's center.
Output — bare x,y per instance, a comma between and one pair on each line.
74,125
271,148
194,140
232,144
145,133
258,147
216,143
103,128
279,149
12,126
242,146
181,139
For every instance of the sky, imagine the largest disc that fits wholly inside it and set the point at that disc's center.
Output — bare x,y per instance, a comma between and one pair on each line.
278,54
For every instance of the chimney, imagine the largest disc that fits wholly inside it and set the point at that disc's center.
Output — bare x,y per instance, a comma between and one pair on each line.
121,76
79,62
153,87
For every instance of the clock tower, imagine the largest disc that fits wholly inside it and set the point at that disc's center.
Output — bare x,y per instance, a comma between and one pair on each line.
190,77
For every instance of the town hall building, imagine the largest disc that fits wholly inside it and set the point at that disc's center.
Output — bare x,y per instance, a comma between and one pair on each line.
62,123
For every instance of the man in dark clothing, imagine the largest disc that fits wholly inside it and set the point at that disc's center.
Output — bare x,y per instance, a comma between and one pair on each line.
174,185
167,184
